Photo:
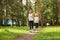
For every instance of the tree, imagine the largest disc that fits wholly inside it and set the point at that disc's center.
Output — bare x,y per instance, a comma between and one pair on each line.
49,9
12,10
38,7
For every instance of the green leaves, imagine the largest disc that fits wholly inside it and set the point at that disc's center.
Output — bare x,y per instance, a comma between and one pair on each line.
49,8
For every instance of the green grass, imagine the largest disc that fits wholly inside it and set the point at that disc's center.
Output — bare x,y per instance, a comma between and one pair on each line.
9,33
48,33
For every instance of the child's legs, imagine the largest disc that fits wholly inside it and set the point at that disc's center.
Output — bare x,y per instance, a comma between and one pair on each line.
36,24
32,24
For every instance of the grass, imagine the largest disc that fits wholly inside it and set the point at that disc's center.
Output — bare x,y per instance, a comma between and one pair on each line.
9,33
48,33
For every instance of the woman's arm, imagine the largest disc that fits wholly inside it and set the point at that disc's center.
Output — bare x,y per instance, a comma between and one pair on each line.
33,15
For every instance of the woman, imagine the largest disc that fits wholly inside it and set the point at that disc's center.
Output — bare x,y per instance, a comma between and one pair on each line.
31,20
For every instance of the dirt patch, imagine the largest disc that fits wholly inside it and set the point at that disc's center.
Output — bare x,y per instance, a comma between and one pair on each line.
25,37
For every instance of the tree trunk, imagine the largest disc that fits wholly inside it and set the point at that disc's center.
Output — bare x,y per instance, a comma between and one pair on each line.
58,11
0,17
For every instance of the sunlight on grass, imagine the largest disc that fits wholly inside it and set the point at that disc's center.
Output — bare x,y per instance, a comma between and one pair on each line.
48,33
51,29
9,33
2,30
17,31
14,30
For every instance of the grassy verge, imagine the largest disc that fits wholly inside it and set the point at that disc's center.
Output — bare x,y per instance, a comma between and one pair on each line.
8,33
48,33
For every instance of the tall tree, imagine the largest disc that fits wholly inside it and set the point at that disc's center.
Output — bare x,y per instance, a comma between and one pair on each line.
40,11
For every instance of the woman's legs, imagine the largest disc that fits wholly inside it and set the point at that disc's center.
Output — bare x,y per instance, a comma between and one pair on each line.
31,25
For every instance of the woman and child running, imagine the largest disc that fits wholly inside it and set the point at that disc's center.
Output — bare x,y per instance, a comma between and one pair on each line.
33,19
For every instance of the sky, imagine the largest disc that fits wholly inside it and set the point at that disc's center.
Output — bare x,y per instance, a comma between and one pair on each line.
24,1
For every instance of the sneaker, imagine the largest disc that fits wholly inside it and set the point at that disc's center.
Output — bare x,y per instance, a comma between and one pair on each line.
31,31
36,31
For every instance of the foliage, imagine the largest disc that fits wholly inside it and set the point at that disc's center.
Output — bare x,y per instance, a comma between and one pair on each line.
15,10
49,9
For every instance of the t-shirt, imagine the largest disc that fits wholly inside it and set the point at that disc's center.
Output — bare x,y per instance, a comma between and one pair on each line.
30,18
36,19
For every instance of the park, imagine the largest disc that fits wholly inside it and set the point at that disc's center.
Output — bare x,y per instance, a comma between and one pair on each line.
14,19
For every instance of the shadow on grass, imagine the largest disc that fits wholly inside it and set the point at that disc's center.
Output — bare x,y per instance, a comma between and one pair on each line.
7,35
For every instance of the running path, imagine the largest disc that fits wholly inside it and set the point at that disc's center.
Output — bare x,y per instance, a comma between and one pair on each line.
25,37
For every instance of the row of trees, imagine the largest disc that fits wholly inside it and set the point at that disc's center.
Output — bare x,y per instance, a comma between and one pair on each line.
48,11
12,10
17,12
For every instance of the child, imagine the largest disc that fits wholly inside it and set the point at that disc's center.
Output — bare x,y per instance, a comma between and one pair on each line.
36,21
